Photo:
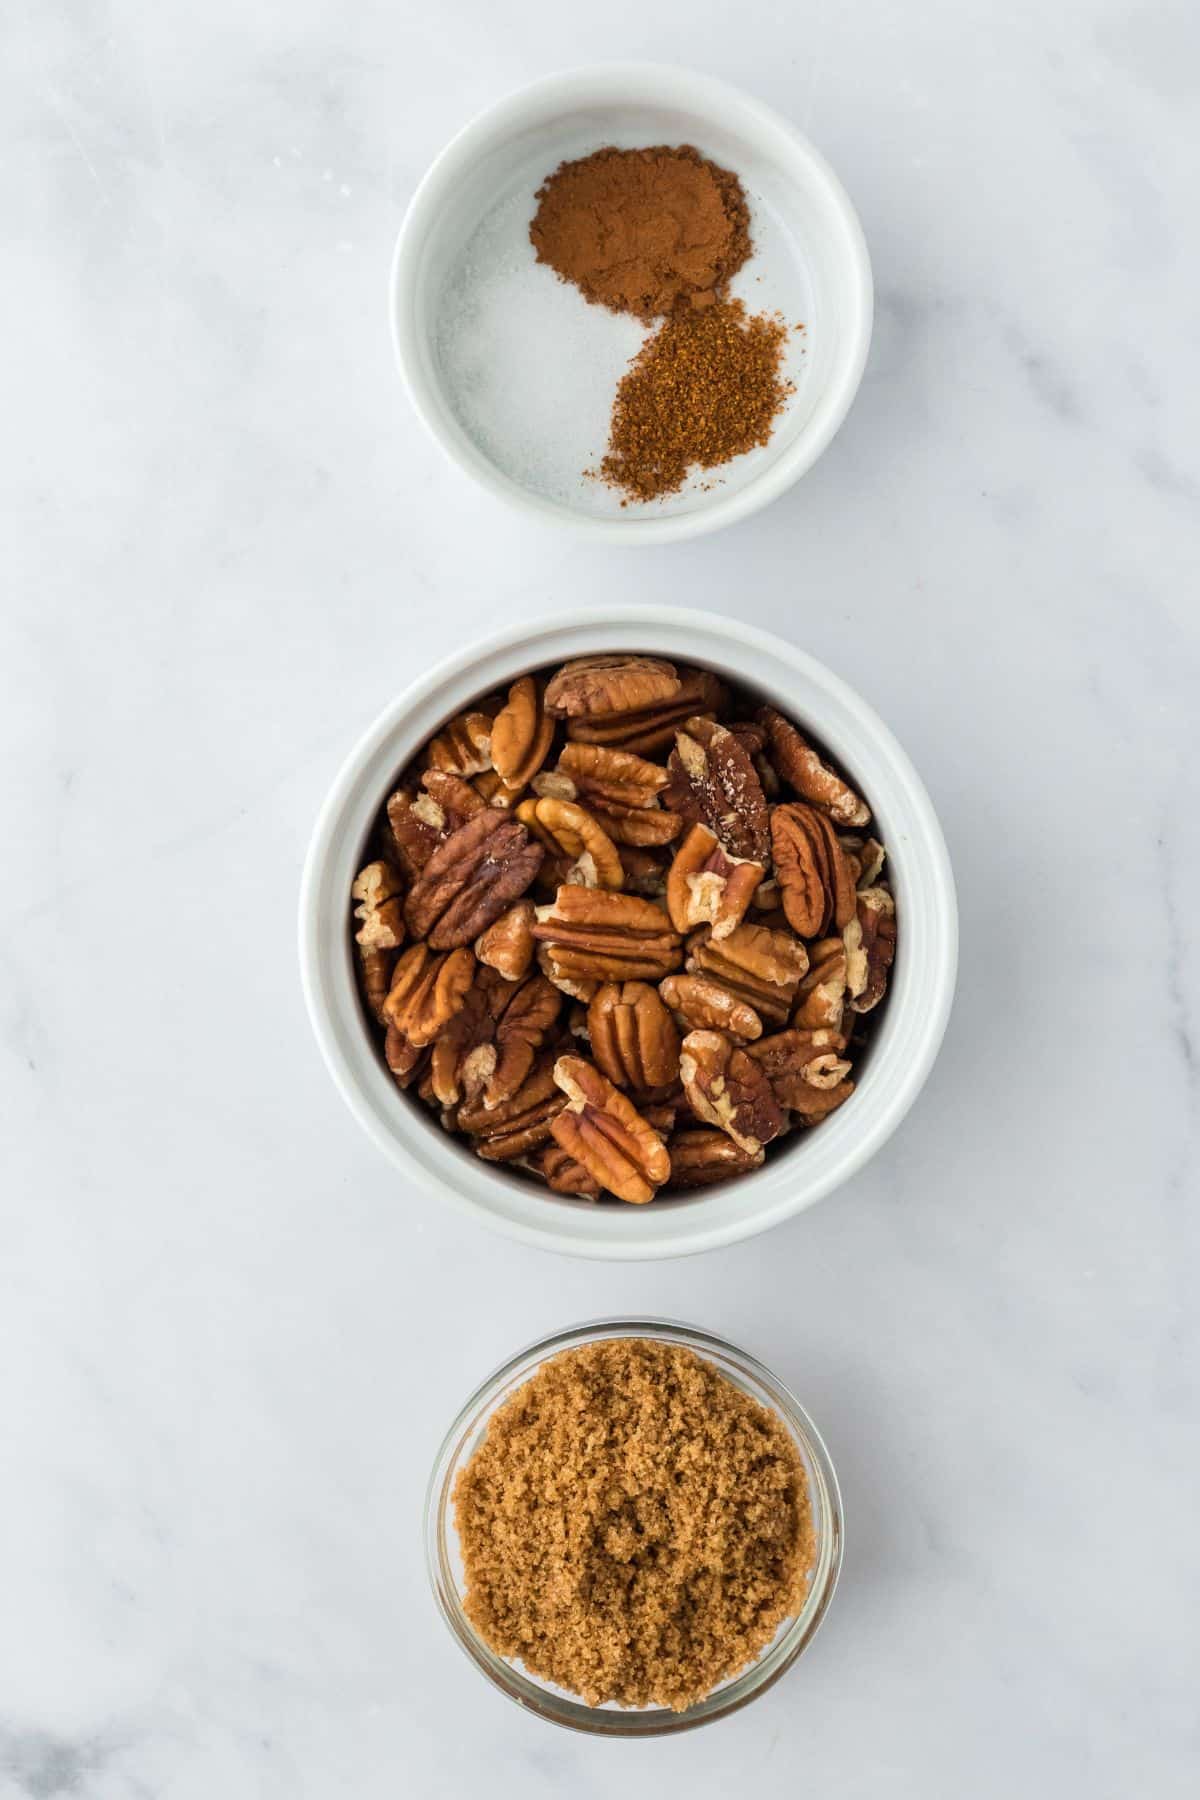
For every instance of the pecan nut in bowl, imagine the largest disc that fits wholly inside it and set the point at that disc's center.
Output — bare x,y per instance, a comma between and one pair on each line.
606,1135
633,1036
470,879
729,1089
621,930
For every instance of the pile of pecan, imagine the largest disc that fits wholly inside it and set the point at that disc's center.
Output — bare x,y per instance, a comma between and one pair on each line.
622,929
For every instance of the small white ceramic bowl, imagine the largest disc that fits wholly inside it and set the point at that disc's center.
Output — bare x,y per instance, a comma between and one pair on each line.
809,1164
514,373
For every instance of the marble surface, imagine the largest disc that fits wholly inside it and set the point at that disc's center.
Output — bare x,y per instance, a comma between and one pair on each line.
230,1338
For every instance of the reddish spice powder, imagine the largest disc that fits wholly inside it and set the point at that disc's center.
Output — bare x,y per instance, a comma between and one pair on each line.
643,231
704,389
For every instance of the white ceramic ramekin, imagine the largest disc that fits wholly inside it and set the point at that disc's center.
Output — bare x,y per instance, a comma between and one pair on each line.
803,211
810,1164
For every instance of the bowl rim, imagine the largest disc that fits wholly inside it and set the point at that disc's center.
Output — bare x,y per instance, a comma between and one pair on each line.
794,1637
667,84
710,1219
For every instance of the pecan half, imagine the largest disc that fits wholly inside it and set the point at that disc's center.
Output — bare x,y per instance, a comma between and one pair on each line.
507,944
652,728
519,1124
471,879
797,1061
728,1089
606,1135
700,1004
488,1049
707,886
406,1060
594,686
700,1157
813,779
633,1036
713,779
380,910
760,966
569,829
815,875
522,734
464,746
588,936
620,789
876,919
821,996
560,1172
375,978
427,991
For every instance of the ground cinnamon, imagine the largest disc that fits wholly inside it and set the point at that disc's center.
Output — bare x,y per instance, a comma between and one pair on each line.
642,231
660,233
633,1526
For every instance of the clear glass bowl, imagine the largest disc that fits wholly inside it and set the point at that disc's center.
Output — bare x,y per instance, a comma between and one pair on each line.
611,1720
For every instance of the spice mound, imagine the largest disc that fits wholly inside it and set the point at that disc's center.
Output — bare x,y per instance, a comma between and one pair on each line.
639,231
634,1528
660,233
704,389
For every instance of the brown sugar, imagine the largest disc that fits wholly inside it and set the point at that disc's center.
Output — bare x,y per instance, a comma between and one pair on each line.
634,1527
643,231
704,389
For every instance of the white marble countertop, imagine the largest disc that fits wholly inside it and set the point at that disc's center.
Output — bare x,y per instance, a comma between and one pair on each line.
230,1337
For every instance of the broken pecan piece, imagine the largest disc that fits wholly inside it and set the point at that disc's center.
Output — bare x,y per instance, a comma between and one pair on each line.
652,728
594,686
522,734
815,875
571,831
708,886
760,966
712,779
876,919
588,936
606,1135
493,790
813,779
700,1004
471,879
417,824
520,1123
507,944
427,991
728,1089
797,1061
633,1036
380,910
701,1156
821,996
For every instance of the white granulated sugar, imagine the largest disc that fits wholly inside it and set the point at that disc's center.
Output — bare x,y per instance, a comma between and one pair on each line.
530,367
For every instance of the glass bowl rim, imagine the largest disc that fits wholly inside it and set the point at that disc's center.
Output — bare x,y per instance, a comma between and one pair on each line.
793,1638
